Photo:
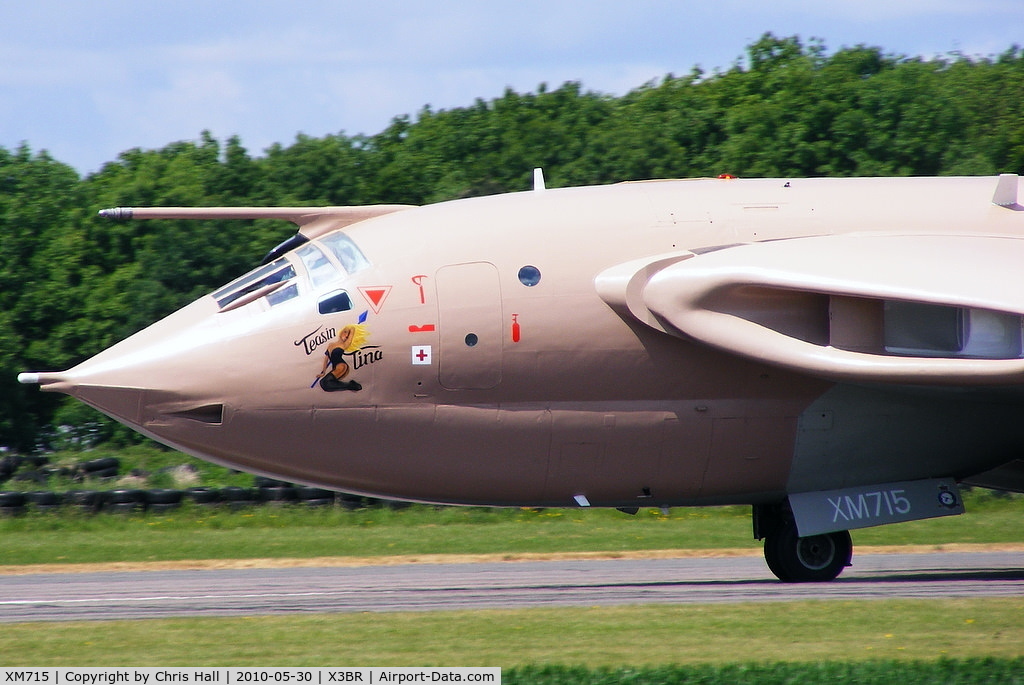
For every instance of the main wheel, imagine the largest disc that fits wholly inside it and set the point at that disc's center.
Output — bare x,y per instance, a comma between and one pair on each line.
815,558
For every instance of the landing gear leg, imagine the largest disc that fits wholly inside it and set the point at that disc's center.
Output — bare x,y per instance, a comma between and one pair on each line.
794,559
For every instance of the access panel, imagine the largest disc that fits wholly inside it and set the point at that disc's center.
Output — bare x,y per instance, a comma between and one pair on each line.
469,315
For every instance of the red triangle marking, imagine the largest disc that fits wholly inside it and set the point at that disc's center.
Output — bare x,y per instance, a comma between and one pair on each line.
375,295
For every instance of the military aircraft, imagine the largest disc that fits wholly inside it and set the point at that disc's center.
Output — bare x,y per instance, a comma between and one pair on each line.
836,353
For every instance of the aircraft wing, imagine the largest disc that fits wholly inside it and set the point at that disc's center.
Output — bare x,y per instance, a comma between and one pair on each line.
312,221
922,309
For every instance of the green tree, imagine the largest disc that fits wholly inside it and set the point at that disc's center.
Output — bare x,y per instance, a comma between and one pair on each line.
72,284
37,197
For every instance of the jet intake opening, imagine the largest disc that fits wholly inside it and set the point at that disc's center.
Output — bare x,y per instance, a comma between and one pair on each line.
208,413
928,330
874,326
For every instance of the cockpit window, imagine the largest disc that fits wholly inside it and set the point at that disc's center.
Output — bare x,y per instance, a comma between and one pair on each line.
283,294
346,251
255,283
321,270
336,301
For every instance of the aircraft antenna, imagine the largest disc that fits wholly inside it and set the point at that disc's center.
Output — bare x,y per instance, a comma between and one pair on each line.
1006,191
538,180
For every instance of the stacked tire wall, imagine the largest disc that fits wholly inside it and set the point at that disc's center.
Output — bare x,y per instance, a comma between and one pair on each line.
134,500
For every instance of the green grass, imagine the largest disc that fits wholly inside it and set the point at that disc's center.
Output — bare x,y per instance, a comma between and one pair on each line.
765,642
296,531
198,533
714,634
960,671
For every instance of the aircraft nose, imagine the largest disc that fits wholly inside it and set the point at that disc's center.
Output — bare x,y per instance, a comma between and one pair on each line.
159,370
122,403
36,378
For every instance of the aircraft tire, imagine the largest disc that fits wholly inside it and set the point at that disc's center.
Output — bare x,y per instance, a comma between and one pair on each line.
816,558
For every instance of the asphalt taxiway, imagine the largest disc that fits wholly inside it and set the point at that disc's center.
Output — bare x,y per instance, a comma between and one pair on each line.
109,595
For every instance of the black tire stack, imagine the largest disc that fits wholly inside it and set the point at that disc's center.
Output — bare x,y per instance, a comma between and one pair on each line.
44,500
126,501
12,503
266,491
107,467
86,501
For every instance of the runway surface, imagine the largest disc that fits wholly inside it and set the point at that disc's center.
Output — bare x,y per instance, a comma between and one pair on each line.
433,587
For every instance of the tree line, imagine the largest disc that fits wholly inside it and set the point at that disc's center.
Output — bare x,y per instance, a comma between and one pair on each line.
72,284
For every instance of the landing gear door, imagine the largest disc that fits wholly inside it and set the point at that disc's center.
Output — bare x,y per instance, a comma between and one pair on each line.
469,314
874,505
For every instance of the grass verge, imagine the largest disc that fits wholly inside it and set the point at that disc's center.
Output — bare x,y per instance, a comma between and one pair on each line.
960,671
198,533
608,637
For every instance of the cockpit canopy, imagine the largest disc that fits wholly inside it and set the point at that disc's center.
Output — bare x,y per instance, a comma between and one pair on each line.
310,268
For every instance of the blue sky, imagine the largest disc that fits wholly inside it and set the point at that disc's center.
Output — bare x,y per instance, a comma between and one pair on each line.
87,80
